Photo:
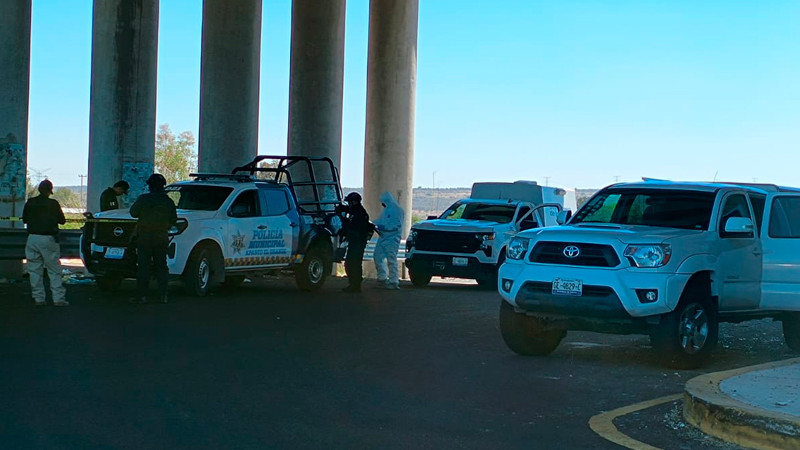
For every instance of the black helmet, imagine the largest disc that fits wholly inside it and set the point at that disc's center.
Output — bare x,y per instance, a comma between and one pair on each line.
156,181
353,197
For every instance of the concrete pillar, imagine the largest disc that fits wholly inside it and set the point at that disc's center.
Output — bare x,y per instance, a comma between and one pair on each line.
391,96
229,82
317,79
15,64
122,117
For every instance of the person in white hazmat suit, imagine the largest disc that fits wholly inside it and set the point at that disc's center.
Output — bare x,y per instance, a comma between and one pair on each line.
389,226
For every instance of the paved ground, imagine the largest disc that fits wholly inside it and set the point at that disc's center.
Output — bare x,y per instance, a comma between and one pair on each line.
267,366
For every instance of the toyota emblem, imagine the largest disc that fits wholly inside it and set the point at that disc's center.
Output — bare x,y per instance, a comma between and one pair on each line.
572,251
118,231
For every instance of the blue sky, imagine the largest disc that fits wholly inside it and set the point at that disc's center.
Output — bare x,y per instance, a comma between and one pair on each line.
572,93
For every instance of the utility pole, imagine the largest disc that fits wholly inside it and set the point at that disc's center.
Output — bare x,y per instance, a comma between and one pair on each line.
435,195
547,181
82,201
616,178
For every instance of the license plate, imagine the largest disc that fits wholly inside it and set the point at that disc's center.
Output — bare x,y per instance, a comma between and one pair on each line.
460,261
114,253
567,287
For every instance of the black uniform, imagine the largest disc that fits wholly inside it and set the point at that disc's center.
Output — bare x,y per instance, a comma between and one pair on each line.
43,215
356,228
108,200
157,214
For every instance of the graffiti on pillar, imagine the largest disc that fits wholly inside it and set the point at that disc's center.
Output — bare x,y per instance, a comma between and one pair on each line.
136,174
12,173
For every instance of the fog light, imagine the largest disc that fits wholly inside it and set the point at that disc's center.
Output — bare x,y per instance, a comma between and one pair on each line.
507,285
647,295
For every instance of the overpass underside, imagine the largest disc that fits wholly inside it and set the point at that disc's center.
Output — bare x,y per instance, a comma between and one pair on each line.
122,113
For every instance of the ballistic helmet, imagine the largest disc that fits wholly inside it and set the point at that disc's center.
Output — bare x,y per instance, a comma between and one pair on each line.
353,197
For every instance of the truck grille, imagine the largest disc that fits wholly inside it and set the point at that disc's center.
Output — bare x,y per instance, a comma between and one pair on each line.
595,255
447,241
114,233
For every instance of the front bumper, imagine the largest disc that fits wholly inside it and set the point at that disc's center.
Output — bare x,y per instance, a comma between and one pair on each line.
608,294
444,265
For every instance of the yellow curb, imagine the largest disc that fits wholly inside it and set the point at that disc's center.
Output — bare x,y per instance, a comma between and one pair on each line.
716,413
603,424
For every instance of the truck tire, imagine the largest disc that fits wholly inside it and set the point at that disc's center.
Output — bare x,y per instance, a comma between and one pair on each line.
419,278
198,273
686,337
791,330
524,335
311,274
108,283
489,281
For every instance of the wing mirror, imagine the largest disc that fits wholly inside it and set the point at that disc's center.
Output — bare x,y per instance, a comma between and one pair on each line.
432,217
563,216
739,225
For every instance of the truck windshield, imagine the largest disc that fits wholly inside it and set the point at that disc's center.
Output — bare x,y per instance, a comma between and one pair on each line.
198,198
480,211
690,210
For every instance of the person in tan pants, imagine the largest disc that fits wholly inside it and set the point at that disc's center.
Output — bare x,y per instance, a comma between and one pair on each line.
43,215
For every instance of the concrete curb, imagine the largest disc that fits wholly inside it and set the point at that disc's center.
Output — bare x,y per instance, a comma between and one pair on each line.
716,413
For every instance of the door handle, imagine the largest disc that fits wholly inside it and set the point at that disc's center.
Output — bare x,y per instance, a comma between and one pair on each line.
262,227
292,224
756,253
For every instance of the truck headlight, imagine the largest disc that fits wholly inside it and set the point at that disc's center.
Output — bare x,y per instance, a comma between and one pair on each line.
648,255
517,248
485,237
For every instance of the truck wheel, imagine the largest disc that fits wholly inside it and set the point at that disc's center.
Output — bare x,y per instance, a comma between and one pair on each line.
108,283
525,335
419,278
489,281
686,337
791,330
197,275
312,273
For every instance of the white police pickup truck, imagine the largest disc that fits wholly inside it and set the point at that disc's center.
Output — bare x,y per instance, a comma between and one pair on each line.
668,259
469,239
274,213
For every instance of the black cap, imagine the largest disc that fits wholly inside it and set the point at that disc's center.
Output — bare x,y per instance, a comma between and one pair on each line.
353,196
46,187
156,181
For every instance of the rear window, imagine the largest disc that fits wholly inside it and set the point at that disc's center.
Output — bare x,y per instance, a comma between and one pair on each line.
784,221
684,209
198,198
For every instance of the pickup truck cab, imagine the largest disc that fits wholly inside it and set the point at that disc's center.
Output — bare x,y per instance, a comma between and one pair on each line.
469,239
668,259
274,213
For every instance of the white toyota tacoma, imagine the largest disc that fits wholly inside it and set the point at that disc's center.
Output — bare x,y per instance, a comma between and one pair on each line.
274,213
668,259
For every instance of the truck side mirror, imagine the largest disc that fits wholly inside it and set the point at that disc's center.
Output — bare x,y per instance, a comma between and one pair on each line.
432,217
739,225
563,216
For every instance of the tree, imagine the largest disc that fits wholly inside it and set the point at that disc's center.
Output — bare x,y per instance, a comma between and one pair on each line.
175,155
67,198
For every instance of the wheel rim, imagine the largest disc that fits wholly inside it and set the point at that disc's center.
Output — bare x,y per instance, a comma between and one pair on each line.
693,328
203,274
315,271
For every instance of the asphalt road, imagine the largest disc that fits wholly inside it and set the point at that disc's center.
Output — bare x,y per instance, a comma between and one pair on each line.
267,366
